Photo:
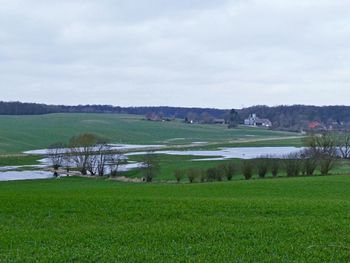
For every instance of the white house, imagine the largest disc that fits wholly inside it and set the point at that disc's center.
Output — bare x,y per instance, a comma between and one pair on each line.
253,120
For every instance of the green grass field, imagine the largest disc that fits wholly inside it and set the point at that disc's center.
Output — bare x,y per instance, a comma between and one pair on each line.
21,133
168,164
87,220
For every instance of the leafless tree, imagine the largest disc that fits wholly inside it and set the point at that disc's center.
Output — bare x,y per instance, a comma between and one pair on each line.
102,157
324,149
322,145
55,154
343,145
81,150
178,174
309,162
114,161
67,161
151,166
293,164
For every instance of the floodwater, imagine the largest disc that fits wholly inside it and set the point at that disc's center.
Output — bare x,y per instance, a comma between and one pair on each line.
237,153
115,147
24,175
9,173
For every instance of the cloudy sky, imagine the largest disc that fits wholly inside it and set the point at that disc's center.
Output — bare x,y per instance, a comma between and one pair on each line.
205,53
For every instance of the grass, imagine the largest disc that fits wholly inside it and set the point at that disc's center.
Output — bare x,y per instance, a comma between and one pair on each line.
21,133
14,160
168,164
86,220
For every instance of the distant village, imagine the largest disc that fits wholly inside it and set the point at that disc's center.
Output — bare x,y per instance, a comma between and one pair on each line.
252,120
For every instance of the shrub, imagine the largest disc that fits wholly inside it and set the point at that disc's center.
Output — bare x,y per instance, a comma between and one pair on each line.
211,174
193,174
262,167
230,170
292,167
203,176
219,172
178,174
293,164
275,166
326,165
247,169
309,166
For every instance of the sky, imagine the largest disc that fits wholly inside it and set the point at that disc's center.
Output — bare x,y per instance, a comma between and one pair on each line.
200,53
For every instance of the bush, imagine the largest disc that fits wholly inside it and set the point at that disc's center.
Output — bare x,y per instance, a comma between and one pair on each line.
309,166
275,166
247,169
193,174
203,176
326,165
220,172
229,170
178,174
262,167
293,164
292,167
211,174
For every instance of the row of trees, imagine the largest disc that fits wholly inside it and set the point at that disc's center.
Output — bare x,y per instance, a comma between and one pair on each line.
219,173
283,117
260,167
321,153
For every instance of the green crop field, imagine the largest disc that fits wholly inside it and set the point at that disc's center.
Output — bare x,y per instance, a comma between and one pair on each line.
88,220
21,133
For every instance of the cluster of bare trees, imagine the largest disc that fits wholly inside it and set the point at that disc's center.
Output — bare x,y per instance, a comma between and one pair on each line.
88,154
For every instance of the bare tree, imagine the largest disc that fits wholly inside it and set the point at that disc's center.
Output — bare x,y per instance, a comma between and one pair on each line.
114,161
193,174
321,145
67,161
262,166
230,170
55,154
275,166
151,166
343,145
293,164
324,149
247,169
178,174
82,148
309,162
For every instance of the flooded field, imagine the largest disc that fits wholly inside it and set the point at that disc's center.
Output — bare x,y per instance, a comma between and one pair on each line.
26,172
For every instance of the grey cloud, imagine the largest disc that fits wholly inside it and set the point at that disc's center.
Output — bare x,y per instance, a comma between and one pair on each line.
188,53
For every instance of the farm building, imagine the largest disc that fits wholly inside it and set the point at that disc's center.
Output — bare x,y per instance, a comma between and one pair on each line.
255,121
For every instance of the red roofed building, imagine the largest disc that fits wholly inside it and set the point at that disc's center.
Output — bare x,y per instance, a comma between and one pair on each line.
314,125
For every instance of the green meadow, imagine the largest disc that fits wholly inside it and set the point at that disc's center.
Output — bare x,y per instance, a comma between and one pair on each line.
299,219
91,220
22,133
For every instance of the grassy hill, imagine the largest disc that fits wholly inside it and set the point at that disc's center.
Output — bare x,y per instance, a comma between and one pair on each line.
20,133
86,220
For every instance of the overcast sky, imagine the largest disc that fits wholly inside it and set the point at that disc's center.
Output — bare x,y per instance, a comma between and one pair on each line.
204,53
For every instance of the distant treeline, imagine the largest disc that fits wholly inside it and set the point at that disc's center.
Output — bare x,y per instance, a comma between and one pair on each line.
19,108
282,117
297,117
